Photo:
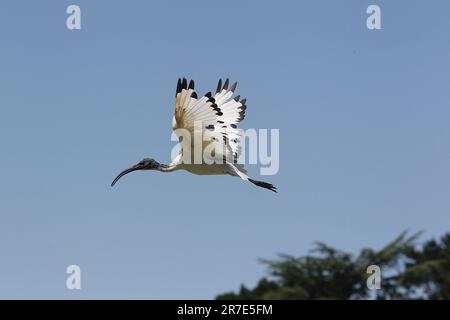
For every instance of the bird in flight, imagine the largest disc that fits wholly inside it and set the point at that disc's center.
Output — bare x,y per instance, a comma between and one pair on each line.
214,119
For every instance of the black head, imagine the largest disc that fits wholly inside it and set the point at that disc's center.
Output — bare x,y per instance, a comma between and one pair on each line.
145,164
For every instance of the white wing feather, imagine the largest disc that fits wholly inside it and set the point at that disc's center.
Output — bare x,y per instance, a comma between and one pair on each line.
218,116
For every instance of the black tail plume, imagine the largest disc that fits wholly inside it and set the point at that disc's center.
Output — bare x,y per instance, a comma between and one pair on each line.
263,184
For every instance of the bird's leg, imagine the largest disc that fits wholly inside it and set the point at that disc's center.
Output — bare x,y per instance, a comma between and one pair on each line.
236,172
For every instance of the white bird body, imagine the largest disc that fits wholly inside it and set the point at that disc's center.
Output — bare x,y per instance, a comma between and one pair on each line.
199,169
212,119
209,169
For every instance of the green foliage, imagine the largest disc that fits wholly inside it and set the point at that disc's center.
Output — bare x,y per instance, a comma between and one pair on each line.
408,272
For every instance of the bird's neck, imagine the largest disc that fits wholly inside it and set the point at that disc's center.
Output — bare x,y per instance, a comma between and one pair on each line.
166,168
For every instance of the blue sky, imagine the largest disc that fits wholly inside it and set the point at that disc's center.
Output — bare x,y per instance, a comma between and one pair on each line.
364,139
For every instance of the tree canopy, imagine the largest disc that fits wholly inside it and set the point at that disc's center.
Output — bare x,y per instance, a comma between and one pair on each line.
408,271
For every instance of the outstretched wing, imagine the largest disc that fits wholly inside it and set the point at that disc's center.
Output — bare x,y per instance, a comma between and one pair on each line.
216,116
233,112
233,109
189,109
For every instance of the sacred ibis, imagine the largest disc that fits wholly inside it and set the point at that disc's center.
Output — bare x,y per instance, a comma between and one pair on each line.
218,116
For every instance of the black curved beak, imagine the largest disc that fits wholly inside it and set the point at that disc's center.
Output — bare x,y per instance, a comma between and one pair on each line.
124,172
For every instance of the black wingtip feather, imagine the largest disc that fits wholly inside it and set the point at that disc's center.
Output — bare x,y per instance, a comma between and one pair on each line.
219,86
178,87
225,85
233,87
191,84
